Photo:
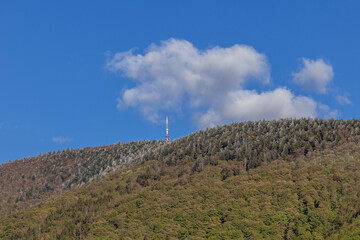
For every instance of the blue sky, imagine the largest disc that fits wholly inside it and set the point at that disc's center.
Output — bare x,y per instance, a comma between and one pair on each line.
83,73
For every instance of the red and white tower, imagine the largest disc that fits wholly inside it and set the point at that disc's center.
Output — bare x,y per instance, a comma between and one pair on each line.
167,130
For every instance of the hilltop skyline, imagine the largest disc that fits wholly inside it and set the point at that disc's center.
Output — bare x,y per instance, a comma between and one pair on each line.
87,74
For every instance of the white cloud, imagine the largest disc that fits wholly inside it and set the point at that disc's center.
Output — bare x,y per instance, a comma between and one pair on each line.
212,81
343,99
315,75
249,105
176,68
62,140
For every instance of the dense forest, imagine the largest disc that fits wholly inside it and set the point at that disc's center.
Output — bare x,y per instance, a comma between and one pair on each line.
283,179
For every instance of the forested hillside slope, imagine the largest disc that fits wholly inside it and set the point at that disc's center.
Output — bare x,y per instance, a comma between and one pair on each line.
32,180
290,179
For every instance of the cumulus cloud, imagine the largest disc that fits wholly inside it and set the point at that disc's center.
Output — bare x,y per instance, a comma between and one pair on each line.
62,140
211,82
176,68
243,105
315,75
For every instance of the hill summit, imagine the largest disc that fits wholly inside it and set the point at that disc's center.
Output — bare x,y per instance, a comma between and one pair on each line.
288,178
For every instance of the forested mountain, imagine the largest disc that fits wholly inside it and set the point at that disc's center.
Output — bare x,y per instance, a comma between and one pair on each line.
289,179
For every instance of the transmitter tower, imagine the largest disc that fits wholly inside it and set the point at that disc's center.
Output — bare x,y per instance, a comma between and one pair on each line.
167,129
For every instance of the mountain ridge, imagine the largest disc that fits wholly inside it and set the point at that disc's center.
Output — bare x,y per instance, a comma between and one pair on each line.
228,157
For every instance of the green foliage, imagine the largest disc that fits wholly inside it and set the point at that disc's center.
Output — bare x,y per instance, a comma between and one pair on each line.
225,173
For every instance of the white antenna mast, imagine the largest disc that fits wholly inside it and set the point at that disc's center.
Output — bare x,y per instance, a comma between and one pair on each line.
167,130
